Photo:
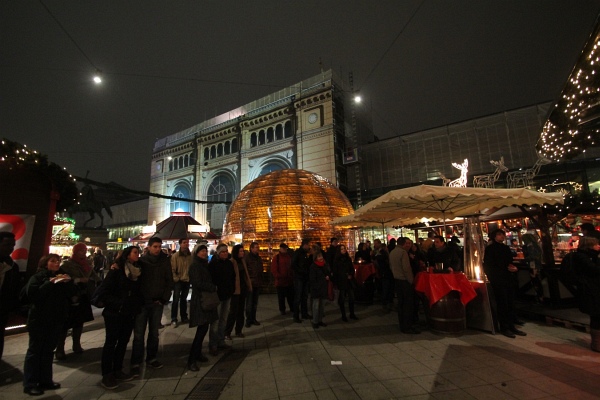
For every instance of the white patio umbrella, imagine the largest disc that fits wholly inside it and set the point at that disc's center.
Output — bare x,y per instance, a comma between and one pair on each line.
444,202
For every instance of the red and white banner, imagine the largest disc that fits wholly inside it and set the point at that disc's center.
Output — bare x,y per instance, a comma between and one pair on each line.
22,227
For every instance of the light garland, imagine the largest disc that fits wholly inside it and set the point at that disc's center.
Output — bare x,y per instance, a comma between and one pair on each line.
573,125
15,156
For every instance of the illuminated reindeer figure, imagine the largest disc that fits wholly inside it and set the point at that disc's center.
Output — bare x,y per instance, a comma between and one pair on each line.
445,181
525,178
462,181
487,181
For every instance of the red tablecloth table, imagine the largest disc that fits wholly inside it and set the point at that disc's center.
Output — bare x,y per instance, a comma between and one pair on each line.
362,271
436,286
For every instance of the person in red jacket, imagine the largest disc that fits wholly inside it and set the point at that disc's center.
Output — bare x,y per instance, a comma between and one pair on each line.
281,268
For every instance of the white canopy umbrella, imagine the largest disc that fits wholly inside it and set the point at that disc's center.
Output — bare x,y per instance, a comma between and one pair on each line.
450,202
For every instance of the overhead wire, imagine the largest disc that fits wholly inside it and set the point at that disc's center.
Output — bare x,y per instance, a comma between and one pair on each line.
392,44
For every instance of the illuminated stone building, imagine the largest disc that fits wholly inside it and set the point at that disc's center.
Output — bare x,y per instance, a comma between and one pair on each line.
302,126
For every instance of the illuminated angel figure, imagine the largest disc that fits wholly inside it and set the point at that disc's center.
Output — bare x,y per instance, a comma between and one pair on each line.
487,181
462,181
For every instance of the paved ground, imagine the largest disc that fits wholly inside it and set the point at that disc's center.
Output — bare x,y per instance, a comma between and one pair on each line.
284,360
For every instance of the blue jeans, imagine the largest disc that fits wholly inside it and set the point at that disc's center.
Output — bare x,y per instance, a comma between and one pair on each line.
252,305
216,337
318,310
180,294
39,356
150,316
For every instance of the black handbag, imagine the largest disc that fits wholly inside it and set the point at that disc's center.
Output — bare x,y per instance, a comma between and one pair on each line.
209,301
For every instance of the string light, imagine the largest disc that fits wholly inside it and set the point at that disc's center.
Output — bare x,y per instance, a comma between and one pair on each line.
15,156
571,127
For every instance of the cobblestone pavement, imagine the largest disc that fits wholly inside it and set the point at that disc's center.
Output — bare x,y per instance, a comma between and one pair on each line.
281,359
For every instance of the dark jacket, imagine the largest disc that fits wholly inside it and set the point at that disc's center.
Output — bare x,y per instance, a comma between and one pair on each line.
121,295
281,268
365,255
201,281
49,303
301,262
81,311
255,268
318,282
9,292
586,271
222,273
342,267
495,263
330,255
446,255
156,279
382,263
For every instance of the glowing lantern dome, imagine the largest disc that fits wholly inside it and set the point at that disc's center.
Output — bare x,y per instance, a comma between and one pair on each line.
286,206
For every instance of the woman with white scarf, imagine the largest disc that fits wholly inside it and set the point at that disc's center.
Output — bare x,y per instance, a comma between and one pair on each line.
122,299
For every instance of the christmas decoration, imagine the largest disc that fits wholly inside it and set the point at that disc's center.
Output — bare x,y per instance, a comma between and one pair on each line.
574,124
462,181
487,181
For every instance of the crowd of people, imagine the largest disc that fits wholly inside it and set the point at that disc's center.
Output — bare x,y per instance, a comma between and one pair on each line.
134,288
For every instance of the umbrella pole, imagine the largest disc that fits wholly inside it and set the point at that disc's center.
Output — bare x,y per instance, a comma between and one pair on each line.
383,233
444,217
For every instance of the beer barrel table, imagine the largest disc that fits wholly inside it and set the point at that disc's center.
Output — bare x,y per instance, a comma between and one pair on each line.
447,295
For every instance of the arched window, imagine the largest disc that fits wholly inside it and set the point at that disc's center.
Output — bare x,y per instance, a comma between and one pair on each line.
206,154
186,161
234,145
213,152
220,150
220,189
180,162
270,136
253,139
170,165
270,167
287,129
182,191
261,137
227,148
175,164
278,132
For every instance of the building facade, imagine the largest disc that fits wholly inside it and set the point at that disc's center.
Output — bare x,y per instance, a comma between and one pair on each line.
302,126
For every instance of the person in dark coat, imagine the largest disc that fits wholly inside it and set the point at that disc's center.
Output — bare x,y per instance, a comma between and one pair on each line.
319,276
243,285
440,252
81,271
10,282
583,264
50,293
301,262
155,285
498,266
343,278
255,269
331,250
201,281
222,273
281,268
123,300
362,253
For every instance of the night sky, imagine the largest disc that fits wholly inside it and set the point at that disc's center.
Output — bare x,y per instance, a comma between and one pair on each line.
168,65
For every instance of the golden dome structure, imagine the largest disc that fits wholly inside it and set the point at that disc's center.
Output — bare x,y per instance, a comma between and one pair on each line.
286,206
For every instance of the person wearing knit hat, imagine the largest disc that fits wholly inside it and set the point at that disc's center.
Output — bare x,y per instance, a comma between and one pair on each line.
222,247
